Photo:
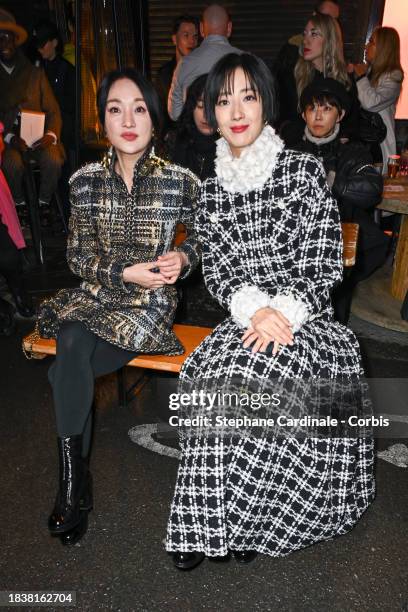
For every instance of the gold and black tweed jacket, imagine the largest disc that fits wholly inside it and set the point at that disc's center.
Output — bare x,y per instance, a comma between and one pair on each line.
111,229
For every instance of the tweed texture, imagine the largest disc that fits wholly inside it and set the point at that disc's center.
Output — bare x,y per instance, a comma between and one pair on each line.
110,229
264,493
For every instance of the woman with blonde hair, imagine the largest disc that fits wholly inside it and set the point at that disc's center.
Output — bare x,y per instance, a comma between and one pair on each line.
321,57
321,53
379,82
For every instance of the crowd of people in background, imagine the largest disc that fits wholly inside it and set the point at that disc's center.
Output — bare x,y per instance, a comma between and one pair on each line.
365,103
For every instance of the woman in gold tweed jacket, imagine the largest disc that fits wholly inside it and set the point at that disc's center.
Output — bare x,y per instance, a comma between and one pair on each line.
122,228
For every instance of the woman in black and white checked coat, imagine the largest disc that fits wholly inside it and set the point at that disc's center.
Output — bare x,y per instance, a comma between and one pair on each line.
272,250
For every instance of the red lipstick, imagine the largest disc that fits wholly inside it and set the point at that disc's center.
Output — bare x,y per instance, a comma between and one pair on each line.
129,136
238,129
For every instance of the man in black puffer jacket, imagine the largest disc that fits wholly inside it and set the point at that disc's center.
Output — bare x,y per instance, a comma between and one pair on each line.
355,183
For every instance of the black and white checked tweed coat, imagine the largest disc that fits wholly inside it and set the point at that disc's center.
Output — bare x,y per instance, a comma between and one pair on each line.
110,229
273,495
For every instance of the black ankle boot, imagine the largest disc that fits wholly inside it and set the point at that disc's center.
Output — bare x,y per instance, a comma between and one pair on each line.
69,538
75,487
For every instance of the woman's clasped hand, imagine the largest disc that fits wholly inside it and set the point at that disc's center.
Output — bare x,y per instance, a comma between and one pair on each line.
156,274
268,325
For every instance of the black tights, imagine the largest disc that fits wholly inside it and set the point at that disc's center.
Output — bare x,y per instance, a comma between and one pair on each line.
81,357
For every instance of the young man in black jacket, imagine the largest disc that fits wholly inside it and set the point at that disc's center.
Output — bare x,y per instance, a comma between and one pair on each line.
355,183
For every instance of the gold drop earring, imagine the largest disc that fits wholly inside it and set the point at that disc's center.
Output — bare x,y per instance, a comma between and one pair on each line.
107,158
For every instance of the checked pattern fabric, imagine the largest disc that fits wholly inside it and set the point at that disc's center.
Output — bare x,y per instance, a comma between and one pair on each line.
273,495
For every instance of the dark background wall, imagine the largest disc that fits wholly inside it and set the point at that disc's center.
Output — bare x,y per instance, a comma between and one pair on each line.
259,26
27,12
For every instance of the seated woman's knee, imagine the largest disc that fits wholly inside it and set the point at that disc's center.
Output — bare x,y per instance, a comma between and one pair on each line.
73,339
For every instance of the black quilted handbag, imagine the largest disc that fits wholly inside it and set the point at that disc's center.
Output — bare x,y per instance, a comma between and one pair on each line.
371,127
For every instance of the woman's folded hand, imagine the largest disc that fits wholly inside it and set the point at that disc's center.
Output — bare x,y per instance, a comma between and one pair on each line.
171,264
141,274
268,325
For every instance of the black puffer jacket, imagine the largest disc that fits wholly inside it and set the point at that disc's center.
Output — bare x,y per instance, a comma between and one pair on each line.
355,183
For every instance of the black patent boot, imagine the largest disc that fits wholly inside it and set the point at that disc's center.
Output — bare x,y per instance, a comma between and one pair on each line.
187,560
244,556
75,487
69,538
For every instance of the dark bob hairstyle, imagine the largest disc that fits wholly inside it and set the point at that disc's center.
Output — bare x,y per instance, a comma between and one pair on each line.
148,92
325,91
186,127
259,78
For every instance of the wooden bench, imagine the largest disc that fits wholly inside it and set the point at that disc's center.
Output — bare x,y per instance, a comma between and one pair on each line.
190,337
350,239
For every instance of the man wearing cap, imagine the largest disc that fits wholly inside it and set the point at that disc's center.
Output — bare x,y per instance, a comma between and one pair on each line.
25,87
355,183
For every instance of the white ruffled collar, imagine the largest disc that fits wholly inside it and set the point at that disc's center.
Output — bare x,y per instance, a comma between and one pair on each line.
254,166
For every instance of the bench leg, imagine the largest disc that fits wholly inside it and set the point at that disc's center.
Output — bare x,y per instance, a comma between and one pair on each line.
61,211
34,213
121,380
124,394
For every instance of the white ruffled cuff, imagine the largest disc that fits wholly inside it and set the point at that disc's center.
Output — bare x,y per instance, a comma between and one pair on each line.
295,311
245,302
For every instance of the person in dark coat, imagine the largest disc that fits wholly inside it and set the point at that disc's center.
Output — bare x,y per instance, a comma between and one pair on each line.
284,65
24,86
355,183
185,39
192,144
61,76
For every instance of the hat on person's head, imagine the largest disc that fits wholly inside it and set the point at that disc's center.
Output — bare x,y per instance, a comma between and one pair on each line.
325,88
43,32
8,23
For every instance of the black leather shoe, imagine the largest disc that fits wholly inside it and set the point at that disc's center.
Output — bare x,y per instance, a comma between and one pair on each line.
186,560
69,538
244,556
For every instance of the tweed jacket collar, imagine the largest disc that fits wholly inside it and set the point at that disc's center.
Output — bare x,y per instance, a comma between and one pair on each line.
143,167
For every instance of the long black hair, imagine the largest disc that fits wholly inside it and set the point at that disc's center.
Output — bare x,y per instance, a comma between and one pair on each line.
186,127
